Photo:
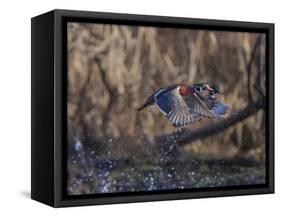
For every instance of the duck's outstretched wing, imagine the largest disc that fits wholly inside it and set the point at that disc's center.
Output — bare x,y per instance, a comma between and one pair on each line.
172,105
196,103
216,106
151,99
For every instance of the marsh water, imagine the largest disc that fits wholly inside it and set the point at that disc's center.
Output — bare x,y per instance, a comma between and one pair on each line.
89,172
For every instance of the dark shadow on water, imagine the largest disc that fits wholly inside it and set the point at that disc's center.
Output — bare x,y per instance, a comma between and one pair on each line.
25,194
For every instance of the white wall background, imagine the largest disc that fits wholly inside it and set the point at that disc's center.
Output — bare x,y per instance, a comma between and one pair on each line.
15,106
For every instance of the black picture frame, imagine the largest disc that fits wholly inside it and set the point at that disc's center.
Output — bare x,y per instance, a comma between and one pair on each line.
49,125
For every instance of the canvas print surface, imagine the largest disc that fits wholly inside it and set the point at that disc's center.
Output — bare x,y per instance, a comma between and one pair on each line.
154,108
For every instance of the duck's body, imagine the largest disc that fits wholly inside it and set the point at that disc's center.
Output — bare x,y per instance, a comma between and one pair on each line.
183,105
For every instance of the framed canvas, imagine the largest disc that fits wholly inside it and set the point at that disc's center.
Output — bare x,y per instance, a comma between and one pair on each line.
133,108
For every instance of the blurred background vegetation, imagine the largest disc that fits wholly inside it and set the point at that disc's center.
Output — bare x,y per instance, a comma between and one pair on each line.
112,69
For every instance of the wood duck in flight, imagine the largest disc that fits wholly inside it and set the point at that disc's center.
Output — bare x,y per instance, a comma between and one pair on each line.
183,104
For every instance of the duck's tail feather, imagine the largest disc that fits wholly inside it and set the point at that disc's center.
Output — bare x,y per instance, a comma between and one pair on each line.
148,102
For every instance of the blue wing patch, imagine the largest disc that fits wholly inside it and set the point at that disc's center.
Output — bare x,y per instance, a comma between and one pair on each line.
165,104
174,108
165,99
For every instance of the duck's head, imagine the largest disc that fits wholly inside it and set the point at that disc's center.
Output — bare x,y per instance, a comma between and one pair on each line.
215,88
199,87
